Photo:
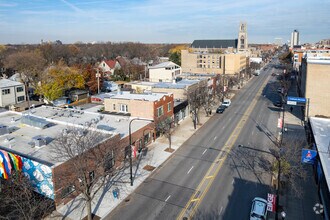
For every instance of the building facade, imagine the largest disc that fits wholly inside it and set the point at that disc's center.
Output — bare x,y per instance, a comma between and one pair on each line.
164,72
294,38
314,79
216,63
151,106
12,92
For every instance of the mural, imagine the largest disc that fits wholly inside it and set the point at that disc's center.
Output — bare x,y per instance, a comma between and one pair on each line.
39,174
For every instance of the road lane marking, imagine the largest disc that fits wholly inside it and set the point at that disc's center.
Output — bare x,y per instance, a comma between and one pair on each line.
214,169
194,200
204,151
209,177
221,209
215,137
190,169
168,198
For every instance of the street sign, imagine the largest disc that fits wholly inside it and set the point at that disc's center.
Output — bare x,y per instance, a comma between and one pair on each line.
296,99
291,103
271,202
308,156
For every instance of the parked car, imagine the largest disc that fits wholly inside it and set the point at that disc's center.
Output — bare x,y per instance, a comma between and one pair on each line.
278,103
221,109
258,209
226,102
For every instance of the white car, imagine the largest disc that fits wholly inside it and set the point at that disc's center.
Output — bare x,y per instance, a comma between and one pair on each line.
258,209
226,102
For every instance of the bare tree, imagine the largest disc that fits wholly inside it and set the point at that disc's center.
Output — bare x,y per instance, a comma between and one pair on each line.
165,127
291,169
90,158
19,201
196,100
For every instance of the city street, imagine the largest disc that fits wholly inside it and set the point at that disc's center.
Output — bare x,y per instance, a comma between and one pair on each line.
209,176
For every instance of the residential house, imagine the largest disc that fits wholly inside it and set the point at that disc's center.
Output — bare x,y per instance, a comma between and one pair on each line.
164,72
12,92
108,67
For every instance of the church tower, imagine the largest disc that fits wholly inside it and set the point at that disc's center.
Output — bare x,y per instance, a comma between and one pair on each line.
242,37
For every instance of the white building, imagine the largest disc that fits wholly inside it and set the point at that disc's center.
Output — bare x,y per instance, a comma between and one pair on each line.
164,72
12,92
294,38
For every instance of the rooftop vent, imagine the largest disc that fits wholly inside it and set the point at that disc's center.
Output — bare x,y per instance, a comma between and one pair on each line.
39,141
34,121
3,130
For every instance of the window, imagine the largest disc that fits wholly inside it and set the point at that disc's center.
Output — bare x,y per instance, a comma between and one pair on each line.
5,91
19,89
160,111
109,161
20,98
67,191
114,106
91,176
123,108
169,107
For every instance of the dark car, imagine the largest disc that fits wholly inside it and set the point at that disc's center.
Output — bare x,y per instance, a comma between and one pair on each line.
278,104
221,109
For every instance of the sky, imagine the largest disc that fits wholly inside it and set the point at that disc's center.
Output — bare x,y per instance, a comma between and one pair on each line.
161,21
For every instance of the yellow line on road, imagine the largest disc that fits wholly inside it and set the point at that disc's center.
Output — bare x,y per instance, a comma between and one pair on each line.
217,166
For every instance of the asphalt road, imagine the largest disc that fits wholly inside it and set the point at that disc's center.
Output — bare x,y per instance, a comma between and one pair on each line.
209,177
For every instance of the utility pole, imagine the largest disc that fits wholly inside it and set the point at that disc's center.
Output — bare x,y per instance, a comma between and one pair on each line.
98,75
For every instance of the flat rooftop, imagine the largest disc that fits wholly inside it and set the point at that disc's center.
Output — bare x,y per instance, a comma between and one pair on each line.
57,119
321,131
137,96
178,85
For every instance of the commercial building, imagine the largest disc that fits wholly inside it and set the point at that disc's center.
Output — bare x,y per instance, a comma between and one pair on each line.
212,63
313,81
148,105
294,38
320,128
26,144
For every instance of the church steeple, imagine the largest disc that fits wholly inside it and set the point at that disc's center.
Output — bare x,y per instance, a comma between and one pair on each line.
242,37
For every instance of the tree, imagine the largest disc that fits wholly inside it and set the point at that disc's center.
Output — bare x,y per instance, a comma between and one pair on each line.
175,53
29,64
91,158
19,201
196,100
59,79
165,127
89,74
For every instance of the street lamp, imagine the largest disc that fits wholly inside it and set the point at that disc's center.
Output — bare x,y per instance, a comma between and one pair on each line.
130,145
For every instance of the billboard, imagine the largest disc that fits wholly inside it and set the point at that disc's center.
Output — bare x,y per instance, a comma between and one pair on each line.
308,156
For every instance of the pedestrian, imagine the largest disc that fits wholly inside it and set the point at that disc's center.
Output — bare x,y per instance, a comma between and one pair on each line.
291,109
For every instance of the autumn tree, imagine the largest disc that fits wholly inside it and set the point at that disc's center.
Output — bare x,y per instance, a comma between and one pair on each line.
175,54
19,201
89,73
58,79
91,156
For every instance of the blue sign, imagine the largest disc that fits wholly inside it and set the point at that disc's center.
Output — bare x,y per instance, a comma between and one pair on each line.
296,99
308,156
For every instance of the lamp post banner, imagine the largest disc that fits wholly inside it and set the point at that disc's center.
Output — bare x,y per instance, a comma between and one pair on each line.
271,202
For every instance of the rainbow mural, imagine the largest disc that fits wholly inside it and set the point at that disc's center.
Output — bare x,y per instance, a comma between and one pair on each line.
39,174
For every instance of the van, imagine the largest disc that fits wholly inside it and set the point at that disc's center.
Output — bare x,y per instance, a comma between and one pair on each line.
226,102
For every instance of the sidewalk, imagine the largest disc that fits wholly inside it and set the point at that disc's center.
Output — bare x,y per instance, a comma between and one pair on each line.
104,202
298,208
